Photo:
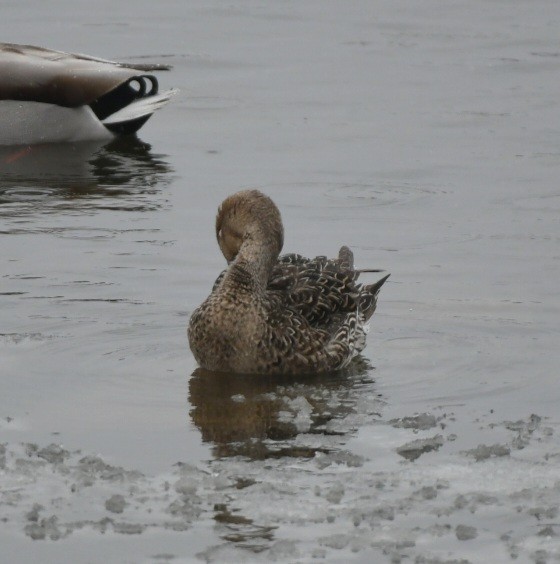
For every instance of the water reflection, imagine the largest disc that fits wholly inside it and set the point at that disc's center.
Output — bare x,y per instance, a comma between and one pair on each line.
270,417
261,417
123,174
244,532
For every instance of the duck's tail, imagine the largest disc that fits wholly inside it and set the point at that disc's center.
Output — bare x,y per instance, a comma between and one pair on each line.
143,107
127,107
350,338
368,297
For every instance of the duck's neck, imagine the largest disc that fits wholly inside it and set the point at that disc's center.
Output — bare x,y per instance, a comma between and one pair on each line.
252,266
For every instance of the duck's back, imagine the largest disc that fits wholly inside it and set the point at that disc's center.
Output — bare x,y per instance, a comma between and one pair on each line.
324,291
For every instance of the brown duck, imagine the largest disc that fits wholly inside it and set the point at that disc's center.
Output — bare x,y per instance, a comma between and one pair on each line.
274,314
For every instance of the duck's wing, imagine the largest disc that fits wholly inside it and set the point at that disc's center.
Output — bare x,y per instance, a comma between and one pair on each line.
324,291
29,73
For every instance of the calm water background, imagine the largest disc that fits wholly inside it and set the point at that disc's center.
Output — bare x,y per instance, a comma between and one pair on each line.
423,135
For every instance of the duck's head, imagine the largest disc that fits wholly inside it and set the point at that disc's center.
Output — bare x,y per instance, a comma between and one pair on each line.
248,215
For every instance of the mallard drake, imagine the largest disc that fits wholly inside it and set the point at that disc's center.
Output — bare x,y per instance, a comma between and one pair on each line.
274,314
51,96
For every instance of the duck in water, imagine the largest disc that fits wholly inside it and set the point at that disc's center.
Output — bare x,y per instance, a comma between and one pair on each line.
274,314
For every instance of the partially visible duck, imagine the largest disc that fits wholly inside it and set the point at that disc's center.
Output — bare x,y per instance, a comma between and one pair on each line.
274,314
51,96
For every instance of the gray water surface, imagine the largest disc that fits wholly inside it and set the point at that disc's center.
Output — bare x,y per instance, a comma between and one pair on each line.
422,135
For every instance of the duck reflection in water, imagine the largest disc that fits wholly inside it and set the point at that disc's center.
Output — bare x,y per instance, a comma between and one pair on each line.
261,417
86,176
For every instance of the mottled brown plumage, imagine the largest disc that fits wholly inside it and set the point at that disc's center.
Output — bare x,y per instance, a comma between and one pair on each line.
276,315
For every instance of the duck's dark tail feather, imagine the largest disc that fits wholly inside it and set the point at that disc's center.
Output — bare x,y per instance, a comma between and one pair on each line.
366,270
368,297
374,288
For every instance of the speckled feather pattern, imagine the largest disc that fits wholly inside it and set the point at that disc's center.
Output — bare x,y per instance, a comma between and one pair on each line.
292,315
